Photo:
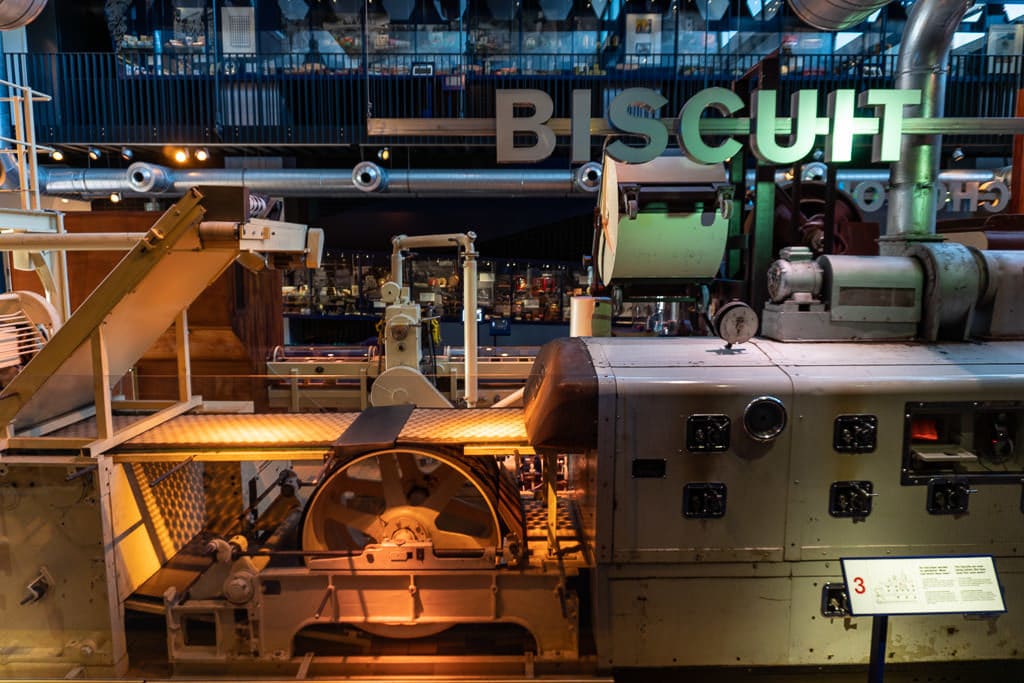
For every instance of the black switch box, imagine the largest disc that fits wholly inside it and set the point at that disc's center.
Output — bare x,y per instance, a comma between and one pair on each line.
705,500
855,433
850,499
707,433
948,497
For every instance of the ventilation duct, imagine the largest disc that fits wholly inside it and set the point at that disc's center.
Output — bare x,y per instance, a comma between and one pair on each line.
834,15
923,64
18,13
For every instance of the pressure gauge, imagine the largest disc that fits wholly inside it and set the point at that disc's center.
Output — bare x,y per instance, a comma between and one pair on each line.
736,322
764,418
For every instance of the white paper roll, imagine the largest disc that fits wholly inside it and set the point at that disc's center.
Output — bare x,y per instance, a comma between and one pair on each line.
657,244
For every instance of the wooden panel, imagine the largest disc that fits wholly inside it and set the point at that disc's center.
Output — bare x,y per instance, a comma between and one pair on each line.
235,323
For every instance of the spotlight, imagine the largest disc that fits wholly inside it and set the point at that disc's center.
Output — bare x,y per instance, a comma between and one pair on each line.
57,155
958,154
127,154
202,154
180,155
384,154
115,197
95,153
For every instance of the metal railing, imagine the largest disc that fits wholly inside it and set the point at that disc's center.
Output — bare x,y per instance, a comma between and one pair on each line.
138,98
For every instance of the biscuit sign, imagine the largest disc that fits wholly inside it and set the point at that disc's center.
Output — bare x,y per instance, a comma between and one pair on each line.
774,139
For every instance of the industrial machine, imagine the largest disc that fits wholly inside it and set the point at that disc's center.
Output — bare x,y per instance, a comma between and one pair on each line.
657,502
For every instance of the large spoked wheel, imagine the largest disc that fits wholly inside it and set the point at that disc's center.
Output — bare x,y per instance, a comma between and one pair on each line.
401,497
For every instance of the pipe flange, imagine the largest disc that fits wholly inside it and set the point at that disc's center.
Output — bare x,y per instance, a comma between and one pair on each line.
146,178
587,178
369,177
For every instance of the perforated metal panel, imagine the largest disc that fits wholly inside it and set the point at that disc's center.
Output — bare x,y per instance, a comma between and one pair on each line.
448,426
176,504
234,431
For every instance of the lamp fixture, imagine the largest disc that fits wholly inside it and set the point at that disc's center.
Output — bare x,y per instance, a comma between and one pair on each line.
94,153
57,155
127,154
958,154
115,197
181,155
384,154
202,154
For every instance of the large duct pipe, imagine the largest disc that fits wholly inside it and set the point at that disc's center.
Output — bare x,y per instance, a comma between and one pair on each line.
922,64
18,13
152,180
834,15
94,182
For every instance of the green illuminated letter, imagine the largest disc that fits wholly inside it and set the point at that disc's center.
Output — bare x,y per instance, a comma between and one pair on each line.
839,143
806,124
691,142
654,130
889,106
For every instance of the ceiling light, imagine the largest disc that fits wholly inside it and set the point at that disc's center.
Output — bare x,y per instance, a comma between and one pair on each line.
384,154
95,153
202,154
127,154
957,155
180,155
115,197
57,155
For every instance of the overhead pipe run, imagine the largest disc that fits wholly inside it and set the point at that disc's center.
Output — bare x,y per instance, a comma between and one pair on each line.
367,178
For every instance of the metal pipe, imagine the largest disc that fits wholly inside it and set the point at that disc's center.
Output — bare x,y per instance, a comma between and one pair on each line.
366,179
469,324
82,181
834,15
46,241
922,65
854,176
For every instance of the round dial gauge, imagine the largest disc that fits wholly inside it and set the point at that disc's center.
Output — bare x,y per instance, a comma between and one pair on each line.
764,418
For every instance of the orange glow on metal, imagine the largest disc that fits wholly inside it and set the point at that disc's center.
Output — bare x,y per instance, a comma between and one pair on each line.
924,429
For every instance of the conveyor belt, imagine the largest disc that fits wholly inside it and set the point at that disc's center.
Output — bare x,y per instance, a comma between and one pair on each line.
315,432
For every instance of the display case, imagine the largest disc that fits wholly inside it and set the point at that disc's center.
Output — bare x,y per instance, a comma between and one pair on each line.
348,284
520,290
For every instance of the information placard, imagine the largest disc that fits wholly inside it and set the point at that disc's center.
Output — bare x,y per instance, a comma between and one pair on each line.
964,584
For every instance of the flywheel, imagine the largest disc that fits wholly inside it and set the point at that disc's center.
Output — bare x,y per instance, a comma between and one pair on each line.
412,509
409,508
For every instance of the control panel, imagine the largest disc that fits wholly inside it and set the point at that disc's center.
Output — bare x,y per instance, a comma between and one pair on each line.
850,499
855,433
704,500
949,496
707,433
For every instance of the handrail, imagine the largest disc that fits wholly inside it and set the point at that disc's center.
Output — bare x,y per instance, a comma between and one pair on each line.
138,97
